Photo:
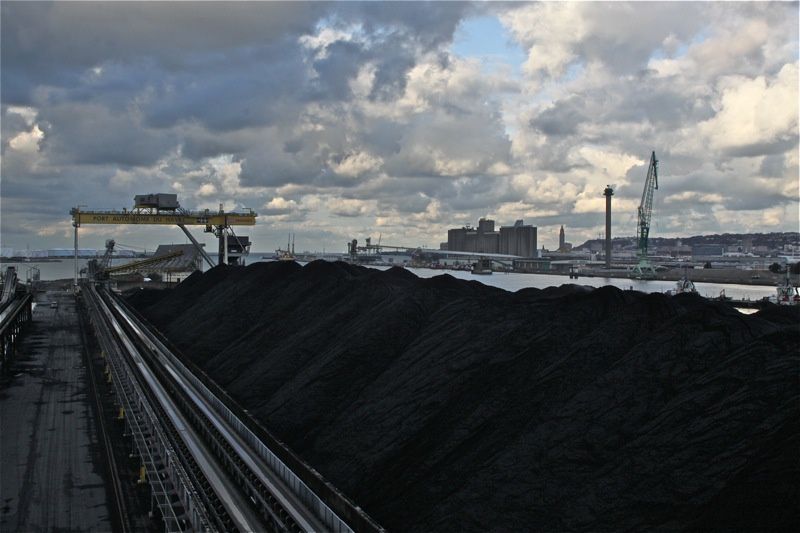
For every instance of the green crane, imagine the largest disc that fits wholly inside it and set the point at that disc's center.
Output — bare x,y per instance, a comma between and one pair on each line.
644,270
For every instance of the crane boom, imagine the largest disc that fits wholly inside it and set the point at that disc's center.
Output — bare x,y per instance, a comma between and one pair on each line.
646,206
127,267
644,270
105,261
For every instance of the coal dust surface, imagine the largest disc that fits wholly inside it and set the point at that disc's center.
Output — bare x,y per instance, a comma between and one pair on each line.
441,405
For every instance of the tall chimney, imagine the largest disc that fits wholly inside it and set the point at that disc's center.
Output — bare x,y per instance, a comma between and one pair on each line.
608,193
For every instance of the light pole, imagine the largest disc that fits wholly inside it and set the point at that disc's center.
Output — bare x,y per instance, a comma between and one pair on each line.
76,224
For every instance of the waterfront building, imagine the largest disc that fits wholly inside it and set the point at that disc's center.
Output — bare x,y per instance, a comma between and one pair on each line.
485,225
707,250
457,239
518,239
532,265
483,239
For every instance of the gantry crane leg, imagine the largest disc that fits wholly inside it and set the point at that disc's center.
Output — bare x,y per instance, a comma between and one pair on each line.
197,245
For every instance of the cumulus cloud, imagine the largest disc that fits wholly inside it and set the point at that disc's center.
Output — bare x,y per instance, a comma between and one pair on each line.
715,95
695,197
27,141
279,206
348,207
207,190
334,119
757,115
621,36
357,164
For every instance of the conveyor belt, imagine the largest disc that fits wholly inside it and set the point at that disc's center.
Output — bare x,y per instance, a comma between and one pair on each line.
9,286
257,490
198,458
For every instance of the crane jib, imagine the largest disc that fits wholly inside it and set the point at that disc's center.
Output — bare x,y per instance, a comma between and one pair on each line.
646,206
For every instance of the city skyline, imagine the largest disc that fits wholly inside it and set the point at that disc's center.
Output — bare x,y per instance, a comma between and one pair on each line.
347,120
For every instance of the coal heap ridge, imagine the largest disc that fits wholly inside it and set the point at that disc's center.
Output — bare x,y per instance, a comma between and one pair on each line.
441,404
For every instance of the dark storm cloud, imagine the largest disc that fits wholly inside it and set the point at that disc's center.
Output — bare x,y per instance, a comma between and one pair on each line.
49,194
636,177
563,118
481,193
228,68
42,35
644,29
429,23
774,147
721,185
19,85
204,63
413,194
242,90
433,140
433,143
659,104
398,31
381,137
576,220
647,100
271,166
390,75
756,202
558,155
92,134
413,202
336,69
669,164
44,192
395,191
773,166
198,143
323,101
226,65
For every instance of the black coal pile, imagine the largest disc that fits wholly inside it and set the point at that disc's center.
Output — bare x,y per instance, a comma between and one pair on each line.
440,404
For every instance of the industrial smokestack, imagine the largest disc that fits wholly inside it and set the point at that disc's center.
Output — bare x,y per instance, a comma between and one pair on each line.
608,193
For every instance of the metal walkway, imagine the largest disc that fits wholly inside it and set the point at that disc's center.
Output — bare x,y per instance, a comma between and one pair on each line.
14,315
9,286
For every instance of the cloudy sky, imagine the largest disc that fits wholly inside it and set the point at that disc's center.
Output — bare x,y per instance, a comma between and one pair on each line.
343,120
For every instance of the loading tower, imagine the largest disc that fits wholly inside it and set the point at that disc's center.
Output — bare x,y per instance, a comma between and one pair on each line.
164,209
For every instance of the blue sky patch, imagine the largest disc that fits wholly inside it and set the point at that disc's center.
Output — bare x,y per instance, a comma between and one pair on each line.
485,38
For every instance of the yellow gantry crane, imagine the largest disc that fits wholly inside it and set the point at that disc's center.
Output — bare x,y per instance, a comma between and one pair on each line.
164,209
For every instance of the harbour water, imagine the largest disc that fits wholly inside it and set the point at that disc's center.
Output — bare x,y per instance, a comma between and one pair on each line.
510,282
50,270
514,282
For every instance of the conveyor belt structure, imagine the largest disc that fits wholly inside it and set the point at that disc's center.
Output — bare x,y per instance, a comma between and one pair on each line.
209,465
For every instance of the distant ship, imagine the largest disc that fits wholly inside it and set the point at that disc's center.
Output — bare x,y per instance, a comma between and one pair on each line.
284,255
683,286
482,267
786,293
